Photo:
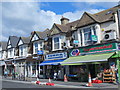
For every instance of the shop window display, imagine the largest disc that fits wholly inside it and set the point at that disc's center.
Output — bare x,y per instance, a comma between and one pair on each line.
78,73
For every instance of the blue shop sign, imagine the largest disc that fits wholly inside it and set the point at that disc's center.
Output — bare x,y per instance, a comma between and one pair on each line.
56,56
40,52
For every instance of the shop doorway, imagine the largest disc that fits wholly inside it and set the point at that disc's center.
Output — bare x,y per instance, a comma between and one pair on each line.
91,68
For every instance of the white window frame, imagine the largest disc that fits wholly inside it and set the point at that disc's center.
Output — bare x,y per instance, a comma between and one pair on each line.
93,32
53,46
36,48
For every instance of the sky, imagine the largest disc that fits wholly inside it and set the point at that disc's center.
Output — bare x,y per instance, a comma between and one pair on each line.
21,18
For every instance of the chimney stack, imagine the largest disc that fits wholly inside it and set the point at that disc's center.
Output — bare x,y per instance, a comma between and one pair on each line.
64,20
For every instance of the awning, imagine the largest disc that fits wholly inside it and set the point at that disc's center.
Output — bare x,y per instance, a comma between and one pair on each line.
87,59
2,63
52,62
116,55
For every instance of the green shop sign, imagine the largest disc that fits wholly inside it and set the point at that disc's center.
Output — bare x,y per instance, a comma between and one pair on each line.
110,47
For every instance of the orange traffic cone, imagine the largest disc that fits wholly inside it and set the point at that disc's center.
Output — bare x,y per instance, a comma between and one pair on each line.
89,81
65,78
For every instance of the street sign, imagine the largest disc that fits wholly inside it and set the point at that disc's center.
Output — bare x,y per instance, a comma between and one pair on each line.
40,52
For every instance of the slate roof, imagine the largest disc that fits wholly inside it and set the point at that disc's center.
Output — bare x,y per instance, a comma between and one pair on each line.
65,28
103,16
13,40
25,40
3,45
44,34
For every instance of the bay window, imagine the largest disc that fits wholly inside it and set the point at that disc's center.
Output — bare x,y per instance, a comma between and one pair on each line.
21,51
56,43
36,47
87,35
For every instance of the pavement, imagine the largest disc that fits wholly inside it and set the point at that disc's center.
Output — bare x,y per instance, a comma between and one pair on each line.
63,84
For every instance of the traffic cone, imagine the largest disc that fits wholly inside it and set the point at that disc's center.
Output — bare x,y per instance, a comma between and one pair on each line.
37,82
49,80
89,81
49,83
65,78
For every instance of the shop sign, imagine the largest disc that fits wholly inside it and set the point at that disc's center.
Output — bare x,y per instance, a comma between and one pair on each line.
75,41
94,49
94,38
56,56
40,52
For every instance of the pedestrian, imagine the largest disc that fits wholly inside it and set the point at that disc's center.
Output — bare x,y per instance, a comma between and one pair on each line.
5,73
13,75
55,75
116,74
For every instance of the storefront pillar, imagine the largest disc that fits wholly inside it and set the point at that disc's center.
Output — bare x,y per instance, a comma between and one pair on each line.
39,69
36,70
31,69
118,66
67,69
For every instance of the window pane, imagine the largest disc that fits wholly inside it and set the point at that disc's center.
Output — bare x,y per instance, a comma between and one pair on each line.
36,47
87,35
94,30
56,39
56,43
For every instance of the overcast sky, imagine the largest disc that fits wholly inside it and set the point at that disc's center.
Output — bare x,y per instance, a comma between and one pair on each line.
21,18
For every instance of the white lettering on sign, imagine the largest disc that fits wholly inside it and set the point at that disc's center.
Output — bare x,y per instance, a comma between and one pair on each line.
56,56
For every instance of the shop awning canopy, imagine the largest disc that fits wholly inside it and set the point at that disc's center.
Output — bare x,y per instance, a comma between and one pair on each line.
2,63
51,62
86,59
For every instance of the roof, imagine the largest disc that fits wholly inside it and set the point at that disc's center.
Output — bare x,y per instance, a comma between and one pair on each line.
44,34
3,45
103,16
13,40
66,27
26,39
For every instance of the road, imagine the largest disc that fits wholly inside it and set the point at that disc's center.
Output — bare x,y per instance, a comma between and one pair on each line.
7,85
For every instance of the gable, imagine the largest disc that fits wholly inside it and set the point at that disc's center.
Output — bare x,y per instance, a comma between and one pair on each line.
85,20
35,37
9,44
20,42
54,30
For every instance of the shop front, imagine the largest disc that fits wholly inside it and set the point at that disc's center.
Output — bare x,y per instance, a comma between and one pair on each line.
32,66
51,65
95,59
9,67
2,67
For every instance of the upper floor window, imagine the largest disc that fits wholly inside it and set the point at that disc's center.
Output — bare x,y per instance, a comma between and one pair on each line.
87,35
21,51
10,53
56,43
36,47
41,45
